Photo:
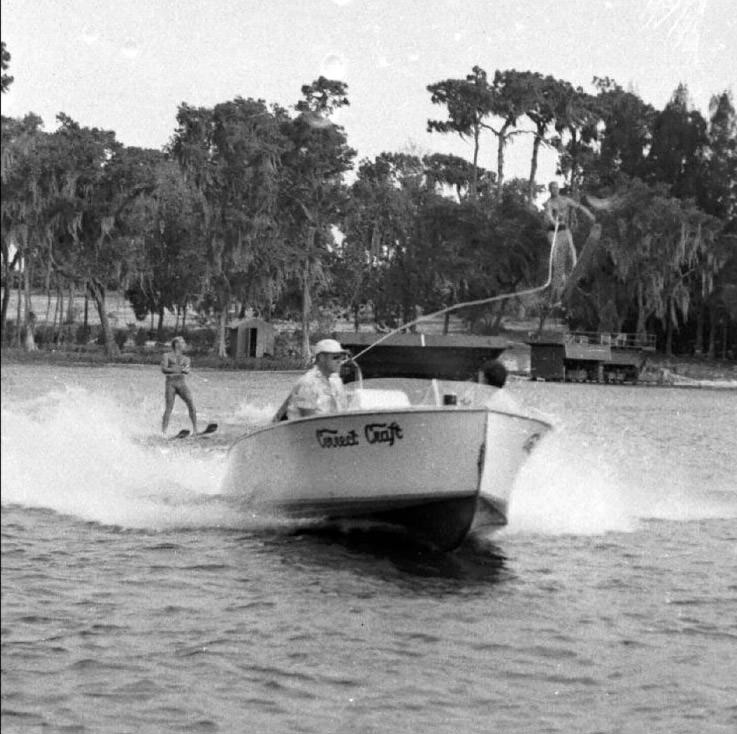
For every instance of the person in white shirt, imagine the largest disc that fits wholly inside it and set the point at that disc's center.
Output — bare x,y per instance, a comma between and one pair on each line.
320,389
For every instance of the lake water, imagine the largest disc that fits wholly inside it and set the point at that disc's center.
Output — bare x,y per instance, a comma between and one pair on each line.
136,599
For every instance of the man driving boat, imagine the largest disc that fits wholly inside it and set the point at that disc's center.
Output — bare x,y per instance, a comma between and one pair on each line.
320,389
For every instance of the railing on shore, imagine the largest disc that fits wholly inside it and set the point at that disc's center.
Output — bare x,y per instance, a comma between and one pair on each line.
618,340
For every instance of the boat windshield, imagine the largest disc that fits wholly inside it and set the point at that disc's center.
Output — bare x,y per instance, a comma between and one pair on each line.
399,392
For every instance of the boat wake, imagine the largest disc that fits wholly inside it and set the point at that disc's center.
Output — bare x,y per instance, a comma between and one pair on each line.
569,487
85,455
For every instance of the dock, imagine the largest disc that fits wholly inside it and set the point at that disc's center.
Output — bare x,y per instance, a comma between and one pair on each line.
584,356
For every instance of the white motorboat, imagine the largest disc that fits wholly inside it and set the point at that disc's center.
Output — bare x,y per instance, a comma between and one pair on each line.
433,457
422,446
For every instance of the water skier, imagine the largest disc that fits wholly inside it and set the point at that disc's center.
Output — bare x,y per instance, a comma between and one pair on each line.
175,365
557,211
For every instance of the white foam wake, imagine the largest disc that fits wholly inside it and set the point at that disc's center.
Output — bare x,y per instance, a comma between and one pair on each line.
572,486
87,456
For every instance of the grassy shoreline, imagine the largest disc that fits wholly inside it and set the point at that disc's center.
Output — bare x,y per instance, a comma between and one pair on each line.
96,357
688,368
121,315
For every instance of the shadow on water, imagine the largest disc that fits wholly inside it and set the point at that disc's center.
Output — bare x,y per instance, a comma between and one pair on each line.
388,554
378,553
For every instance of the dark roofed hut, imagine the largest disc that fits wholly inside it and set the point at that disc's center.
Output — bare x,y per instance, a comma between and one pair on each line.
447,357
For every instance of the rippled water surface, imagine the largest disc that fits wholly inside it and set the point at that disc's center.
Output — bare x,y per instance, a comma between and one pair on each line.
135,598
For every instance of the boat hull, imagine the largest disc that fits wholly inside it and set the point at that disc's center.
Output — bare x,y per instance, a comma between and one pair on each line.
417,469
510,439
436,473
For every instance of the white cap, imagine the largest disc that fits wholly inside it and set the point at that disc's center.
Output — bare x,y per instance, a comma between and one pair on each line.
328,346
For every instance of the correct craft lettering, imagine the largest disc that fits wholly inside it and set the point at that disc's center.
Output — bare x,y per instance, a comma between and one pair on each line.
383,432
329,438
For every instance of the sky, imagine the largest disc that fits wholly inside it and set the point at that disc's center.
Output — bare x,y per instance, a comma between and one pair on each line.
127,65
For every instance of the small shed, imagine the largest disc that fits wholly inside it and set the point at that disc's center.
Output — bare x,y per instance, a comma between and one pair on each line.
251,338
547,360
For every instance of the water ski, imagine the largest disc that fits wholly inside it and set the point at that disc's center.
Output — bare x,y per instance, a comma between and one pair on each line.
209,428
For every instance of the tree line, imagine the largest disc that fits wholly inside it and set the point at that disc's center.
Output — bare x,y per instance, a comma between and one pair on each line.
253,205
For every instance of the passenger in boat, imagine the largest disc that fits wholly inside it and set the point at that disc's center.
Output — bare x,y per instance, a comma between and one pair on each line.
494,374
320,389
175,366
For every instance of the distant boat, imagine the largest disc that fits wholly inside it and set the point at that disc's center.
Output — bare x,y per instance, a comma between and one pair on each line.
428,455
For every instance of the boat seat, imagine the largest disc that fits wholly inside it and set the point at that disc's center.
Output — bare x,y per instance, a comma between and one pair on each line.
368,399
